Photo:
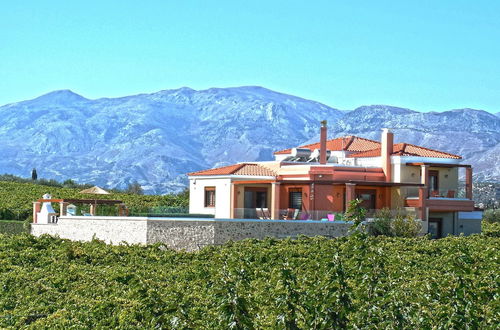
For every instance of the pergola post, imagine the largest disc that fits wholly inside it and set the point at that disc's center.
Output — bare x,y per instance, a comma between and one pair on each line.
63,206
92,209
37,206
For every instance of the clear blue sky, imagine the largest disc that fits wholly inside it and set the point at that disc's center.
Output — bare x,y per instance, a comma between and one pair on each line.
425,55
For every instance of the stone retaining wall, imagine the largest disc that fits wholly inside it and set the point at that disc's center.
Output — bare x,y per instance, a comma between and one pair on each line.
183,233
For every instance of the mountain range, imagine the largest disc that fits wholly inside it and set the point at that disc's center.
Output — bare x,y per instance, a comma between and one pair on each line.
156,138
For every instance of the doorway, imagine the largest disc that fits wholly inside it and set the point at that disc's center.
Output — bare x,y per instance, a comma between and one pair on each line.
367,197
435,227
255,198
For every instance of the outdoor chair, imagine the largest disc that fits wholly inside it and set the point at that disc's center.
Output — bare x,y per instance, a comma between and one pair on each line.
450,194
435,193
266,215
288,215
331,217
260,213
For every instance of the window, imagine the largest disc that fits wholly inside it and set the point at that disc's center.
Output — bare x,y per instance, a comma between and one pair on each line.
209,196
295,198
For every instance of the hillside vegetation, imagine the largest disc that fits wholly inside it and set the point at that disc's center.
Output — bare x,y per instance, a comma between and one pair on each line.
16,199
350,282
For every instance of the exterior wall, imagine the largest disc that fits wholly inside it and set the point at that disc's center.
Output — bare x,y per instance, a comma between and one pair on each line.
183,234
469,222
240,194
397,197
284,195
447,183
237,230
456,223
222,207
113,230
409,174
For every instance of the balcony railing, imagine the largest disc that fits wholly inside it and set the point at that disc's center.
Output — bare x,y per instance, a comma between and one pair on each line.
413,192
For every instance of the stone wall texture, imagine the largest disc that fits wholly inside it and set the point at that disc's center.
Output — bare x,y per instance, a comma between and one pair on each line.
182,233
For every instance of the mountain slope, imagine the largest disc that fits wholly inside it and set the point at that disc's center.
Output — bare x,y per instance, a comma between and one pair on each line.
152,138
157,138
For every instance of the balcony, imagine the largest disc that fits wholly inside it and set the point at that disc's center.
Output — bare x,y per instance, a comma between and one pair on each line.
439,200
458,193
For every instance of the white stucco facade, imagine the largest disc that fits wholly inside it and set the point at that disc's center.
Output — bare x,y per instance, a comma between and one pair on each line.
222,185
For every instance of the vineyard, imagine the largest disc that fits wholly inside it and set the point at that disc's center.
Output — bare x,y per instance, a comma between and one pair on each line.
350,282
16,199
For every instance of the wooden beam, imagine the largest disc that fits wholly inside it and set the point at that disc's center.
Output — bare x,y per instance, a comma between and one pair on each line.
439,165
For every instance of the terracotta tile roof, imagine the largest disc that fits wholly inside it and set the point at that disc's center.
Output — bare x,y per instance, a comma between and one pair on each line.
255,169
406,149
349,143
239,169
225,170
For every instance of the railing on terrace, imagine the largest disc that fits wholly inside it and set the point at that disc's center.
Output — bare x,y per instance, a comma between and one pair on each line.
296,214
286,214
412,192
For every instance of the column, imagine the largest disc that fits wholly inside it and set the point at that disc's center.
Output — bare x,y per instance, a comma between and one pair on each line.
424,173
350,193
422,199
468,183
275,200
234,201
92,209
36,208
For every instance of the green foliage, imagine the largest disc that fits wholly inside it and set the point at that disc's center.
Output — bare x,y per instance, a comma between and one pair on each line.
398,225
355,212
12,227
351,282
491,229
16,199
134,188
491,215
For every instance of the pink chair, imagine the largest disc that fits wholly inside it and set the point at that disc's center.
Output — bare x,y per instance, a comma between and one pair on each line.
331,217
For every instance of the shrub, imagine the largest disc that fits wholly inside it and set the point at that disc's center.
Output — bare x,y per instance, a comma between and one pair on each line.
491,229
491,215
12,227
399,225
307,283
355,212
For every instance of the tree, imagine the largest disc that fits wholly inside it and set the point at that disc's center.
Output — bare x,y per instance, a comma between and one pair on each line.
70,184
34,175
135,188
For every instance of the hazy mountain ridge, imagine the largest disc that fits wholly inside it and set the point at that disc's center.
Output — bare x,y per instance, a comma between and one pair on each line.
156,138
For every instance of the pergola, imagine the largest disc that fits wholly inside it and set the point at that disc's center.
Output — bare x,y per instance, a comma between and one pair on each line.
63,204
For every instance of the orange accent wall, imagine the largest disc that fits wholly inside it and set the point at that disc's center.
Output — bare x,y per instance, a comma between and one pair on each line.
284,195
382,195
329,197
